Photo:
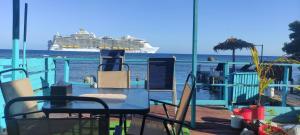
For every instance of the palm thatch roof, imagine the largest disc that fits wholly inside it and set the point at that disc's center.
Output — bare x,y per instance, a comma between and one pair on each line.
233,44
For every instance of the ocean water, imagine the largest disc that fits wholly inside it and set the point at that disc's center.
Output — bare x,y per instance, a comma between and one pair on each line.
80,69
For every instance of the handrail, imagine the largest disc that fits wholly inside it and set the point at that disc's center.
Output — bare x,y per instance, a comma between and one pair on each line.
41,72
11,70
16,69
248,85
177,61
226,74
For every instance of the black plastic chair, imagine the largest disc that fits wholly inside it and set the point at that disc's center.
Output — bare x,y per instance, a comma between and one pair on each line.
161,76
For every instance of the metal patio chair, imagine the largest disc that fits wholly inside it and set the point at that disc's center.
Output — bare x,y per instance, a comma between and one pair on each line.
113,79
19,88
152,124
20,124
161,76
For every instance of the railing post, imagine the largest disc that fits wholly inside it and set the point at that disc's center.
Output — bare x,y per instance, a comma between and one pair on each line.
66,71
285,87
15,37
226,79
47,71
25,37
194,60
1,68
55,77
50,71
2,104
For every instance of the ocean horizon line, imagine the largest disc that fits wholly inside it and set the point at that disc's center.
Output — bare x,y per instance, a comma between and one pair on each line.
154,53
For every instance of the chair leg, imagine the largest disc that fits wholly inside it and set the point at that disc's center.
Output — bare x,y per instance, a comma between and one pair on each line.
120,120
167,129
143,125
174,99
125,124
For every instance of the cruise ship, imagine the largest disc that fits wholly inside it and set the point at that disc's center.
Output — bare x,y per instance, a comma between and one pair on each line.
89,42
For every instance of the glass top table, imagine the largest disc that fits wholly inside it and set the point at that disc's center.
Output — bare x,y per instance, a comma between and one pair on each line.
126,101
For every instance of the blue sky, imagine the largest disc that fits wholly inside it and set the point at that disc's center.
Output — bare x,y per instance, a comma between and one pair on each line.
163,23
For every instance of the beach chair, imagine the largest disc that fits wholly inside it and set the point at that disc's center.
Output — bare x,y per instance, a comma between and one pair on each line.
18,88
113,79
161,76
151,124
20,124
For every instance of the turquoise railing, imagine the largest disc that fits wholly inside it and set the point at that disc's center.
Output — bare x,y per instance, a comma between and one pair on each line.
41,74
43,71
226,75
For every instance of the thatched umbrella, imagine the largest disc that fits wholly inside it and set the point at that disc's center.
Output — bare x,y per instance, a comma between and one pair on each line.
233,44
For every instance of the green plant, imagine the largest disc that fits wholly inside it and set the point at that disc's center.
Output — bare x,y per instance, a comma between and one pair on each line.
292,47
271,112
262,70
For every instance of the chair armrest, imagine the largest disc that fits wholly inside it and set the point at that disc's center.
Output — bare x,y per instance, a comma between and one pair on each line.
118,130
164,106
162,102
52,98
169,120
24,114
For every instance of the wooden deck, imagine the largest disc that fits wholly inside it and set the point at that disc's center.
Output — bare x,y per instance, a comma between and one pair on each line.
210,120
292,99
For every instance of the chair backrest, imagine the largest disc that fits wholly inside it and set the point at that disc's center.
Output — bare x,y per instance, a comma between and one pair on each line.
17,125
188,90
112,64
18,88
161,74
113,59
112,53
113,79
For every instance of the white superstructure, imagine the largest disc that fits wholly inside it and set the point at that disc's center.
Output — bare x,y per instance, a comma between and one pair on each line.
89,42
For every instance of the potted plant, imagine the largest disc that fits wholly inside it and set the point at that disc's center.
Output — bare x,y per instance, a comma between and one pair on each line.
262,70
267,129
